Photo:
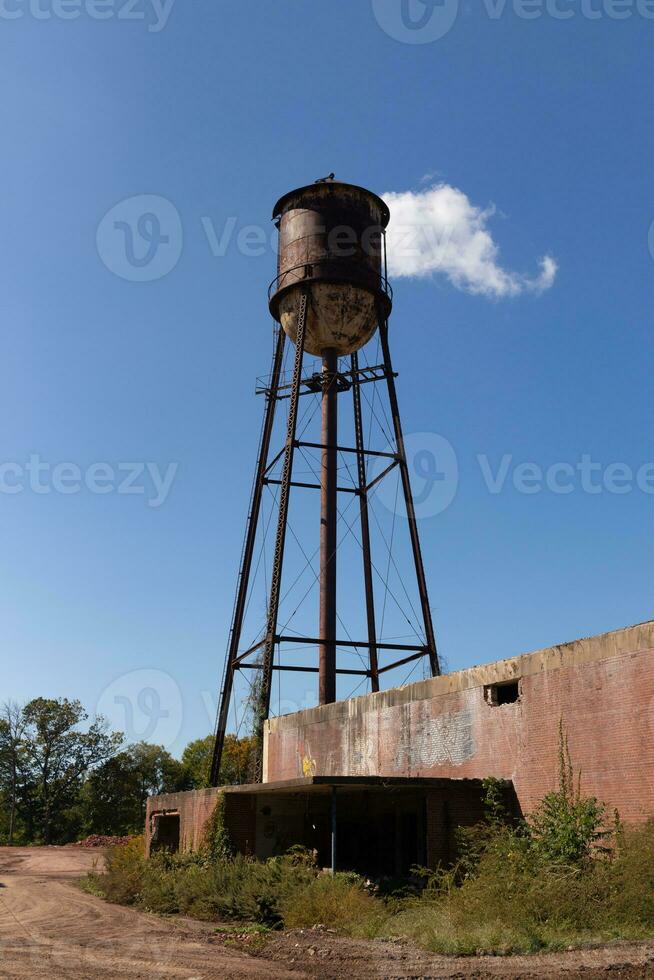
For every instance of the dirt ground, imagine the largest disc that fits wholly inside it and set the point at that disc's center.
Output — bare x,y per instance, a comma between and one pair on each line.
49,928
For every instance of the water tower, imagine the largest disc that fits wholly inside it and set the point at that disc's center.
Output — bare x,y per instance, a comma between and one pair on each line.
330,297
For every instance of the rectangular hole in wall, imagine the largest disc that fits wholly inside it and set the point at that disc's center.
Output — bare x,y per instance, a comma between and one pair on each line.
165,833
499,694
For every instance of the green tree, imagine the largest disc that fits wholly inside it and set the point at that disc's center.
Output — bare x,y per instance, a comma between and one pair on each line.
156,771
12,760
114,795
238,760
58,755
196,759
235,767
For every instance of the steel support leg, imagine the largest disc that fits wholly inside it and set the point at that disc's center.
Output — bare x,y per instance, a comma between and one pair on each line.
246,558
365,528
328,525
408,499
263,707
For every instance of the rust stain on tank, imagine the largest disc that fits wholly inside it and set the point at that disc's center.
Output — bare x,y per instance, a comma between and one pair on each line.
331,241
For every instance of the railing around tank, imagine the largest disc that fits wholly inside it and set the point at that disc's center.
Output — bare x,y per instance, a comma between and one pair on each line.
330,271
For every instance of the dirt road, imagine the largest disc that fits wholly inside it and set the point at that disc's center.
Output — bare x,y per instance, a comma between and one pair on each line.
50,928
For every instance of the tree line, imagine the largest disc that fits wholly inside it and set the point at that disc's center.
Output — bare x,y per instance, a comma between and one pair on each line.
62,779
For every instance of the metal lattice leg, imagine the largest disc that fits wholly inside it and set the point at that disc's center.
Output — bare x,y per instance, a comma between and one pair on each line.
263,708
408,498
365,527
246,558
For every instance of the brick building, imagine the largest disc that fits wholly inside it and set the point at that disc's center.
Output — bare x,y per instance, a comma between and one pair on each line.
405,765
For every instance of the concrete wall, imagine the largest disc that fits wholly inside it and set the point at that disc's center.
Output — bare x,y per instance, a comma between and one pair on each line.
602,688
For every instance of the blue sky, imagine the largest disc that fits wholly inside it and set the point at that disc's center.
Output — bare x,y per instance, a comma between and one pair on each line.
223,109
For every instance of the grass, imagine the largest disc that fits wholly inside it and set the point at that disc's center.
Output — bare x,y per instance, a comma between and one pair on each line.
339,903
560,880
514,901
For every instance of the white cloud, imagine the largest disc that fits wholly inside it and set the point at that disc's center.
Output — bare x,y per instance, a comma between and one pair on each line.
439,231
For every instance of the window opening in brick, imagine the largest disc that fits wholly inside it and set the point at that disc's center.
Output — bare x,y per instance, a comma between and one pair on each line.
499,694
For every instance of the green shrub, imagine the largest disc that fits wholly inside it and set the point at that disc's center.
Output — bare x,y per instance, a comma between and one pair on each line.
632,880
559,878
567,827
562,877
216,839
512,900
235,887
520,897
125,870
337,902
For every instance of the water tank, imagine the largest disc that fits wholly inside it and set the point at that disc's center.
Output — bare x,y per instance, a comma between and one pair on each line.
331,242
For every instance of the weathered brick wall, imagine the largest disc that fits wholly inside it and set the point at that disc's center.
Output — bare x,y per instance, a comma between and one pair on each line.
241,821
447,809
602,689
194,808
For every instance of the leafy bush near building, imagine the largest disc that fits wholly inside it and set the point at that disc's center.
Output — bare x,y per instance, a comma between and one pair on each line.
227,887
518,901
564,876
341,903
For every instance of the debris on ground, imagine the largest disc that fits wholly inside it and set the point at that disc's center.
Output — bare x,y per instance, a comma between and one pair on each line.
101,840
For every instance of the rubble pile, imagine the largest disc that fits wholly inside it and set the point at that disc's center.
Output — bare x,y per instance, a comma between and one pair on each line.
100,840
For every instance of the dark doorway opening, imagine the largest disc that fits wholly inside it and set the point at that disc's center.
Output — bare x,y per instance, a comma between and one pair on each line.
165,833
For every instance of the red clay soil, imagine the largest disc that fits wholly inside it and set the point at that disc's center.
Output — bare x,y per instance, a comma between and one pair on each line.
50,928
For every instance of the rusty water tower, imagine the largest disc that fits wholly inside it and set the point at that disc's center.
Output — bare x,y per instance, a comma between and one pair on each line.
330,297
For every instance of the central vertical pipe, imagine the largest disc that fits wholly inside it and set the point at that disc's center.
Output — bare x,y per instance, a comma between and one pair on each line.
328,514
